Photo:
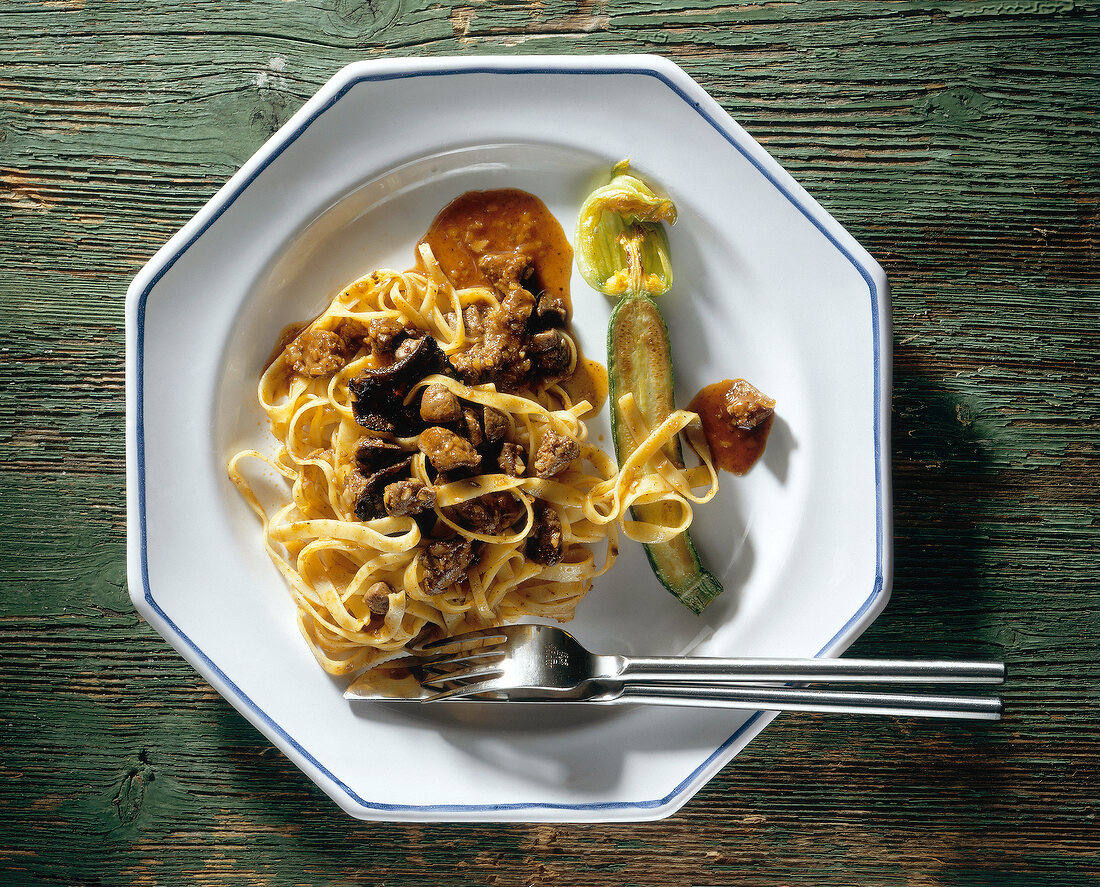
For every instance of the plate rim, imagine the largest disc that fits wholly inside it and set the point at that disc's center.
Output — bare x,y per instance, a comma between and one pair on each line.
687,89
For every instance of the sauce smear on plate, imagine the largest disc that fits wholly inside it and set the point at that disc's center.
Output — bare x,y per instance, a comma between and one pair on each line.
735,448
503,221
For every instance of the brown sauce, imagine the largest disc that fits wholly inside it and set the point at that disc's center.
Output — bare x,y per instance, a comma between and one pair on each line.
734,449
502,224
502,221
588,382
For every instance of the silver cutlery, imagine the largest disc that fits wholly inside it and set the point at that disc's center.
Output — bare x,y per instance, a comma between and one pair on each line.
540,663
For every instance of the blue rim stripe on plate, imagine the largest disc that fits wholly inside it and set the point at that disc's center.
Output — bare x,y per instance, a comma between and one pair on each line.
229,198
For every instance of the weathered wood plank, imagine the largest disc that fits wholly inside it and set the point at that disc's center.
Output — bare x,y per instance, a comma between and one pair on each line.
956,141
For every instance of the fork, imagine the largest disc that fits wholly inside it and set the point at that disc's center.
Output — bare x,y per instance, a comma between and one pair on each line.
544,663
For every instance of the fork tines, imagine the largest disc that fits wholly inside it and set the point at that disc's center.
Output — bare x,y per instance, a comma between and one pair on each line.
448,664
459,643
464,668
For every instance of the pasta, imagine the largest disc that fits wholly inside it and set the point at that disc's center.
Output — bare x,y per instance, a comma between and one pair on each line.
438,547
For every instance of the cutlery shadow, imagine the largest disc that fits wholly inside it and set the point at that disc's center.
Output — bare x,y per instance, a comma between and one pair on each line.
946,483
540,741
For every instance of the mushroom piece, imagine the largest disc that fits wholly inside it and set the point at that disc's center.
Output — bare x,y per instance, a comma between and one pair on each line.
407,347
382,333
510,459
317,353
369,492
377,598
553,308
438,405
546,543
406,497
495,424
490,514
446,450
746,405
472,427
374,453
550,354
445,563
380,393
554,454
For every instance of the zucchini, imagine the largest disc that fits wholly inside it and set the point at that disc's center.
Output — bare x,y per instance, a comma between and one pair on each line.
622,250
639,360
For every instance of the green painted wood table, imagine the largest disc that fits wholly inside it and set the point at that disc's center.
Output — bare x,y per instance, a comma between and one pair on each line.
956,140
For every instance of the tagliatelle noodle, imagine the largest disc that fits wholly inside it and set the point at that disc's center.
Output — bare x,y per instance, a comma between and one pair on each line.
329,558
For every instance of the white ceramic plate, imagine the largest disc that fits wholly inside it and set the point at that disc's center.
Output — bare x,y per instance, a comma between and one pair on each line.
768,287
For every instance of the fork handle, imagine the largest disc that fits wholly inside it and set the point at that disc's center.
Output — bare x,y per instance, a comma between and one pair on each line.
630,669
792,699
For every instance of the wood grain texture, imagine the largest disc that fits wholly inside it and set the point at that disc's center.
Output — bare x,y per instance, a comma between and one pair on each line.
956,140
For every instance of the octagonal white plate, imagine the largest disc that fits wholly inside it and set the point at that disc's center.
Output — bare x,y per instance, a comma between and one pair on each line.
768,287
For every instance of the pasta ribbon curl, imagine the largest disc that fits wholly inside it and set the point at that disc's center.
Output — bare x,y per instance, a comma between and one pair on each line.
333,561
